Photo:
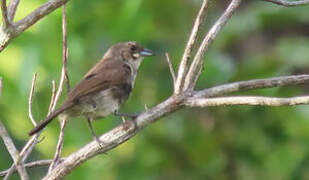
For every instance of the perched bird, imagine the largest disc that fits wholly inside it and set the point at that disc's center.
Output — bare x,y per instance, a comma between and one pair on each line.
104,88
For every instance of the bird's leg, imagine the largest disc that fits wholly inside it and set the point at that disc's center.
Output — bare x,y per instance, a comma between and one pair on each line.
126,124
92,131
132,116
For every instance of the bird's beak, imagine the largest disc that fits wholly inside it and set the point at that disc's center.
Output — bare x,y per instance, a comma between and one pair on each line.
146,52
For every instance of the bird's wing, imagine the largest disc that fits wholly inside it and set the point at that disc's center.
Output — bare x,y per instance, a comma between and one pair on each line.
102,76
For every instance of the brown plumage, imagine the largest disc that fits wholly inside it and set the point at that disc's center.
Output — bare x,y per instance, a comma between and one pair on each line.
105,87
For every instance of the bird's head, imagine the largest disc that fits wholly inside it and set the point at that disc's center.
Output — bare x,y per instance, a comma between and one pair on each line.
129,52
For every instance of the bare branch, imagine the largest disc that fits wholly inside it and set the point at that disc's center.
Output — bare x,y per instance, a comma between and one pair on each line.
207,41
31,165
0,87
65,47
252,84
30,100
288,3
53,96
12,9
37,14
246,100
5,20
59,147
7,35
13,152
183,67
170,65
66,77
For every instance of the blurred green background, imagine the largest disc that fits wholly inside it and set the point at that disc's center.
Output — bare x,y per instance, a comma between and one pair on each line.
242,142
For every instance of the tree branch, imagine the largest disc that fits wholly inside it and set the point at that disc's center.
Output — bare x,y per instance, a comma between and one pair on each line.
170,65
288,3
5,20
30,100
246,100
183,67
12,9
0,87
7,34
31,165
197,63
13,152
251,84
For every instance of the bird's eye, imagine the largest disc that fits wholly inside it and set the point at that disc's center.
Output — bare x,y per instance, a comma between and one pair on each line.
133,48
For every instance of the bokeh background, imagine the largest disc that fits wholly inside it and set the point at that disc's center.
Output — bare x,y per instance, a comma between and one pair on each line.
242,142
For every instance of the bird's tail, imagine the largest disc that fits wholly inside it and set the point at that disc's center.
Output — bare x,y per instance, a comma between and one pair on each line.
48,119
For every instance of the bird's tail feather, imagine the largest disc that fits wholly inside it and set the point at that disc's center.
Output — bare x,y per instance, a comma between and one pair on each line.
48,119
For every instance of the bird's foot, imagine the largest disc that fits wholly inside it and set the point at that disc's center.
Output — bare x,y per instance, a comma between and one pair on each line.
100,143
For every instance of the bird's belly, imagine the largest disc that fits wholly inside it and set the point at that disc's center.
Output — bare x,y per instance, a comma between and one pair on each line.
96,106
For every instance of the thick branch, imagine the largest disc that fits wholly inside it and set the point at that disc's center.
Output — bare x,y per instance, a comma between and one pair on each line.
246,100
13,152
196,65
288,3
183,67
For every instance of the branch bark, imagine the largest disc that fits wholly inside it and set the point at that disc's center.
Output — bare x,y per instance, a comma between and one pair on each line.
288,3
197,63
7,33
183,67
246,100
13,152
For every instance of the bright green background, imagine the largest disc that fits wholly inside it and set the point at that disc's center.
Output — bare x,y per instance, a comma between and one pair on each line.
243,142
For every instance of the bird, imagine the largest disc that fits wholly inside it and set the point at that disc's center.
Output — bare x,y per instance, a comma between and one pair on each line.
104,88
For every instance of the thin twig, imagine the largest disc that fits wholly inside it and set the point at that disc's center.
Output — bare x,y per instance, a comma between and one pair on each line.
288,3
252,84
64,61
59,146
4,11
0,87
53,96
207,41
170,65
31,165
13,152
30,100
65,47
12,9
183,67
246,100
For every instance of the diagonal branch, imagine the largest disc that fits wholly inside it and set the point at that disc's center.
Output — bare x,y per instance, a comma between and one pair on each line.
170,65
7,35
197,63
288,3
12,9
252,84
246,100
13,152
5,20
30,100
183,67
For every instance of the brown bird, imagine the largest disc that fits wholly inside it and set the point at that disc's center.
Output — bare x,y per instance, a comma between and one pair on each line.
104,88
